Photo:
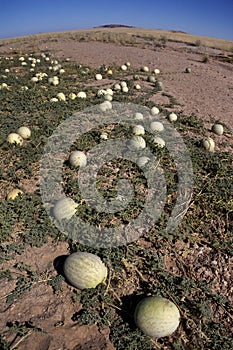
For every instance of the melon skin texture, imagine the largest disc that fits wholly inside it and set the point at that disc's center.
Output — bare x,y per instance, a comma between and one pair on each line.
154,110
157,317
137,87
138,130
78,159
15,138
84,270
138,116
61,96
145,69
108,97
137,142
208,144
24,132
64,208
82,94
72,96
218,129
105,106
158,141
98,77
151,78
156,126
142,161
172,117
14,193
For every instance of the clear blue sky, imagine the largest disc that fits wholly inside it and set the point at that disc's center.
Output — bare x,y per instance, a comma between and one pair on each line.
201,17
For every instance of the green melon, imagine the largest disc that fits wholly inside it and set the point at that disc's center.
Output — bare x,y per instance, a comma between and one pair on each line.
156,126
78,159
138,130
151,79
157,316
15,138
64,208
137,142
84,270
218,129
24,132
172,117
208,144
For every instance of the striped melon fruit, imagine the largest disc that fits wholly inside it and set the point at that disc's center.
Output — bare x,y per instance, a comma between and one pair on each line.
64,208
157,316
24,132
84,270
78,159
137,142
208,144
15,138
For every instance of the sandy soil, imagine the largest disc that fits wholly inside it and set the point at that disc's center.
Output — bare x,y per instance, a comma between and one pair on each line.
207,92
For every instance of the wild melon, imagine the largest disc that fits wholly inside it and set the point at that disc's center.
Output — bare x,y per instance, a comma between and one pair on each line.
157,316
84,270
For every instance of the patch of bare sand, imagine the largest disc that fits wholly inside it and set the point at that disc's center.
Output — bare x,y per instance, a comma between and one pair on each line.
206,92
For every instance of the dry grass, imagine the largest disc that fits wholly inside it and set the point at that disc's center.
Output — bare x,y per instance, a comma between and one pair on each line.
125,36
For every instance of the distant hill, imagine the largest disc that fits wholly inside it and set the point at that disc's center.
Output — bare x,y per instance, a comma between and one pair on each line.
178,31
114,26
126,26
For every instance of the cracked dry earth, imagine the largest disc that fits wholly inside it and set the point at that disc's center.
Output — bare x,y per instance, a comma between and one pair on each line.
208,93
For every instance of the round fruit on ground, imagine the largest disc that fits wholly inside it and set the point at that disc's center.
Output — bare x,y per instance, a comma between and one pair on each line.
84,270
157,316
